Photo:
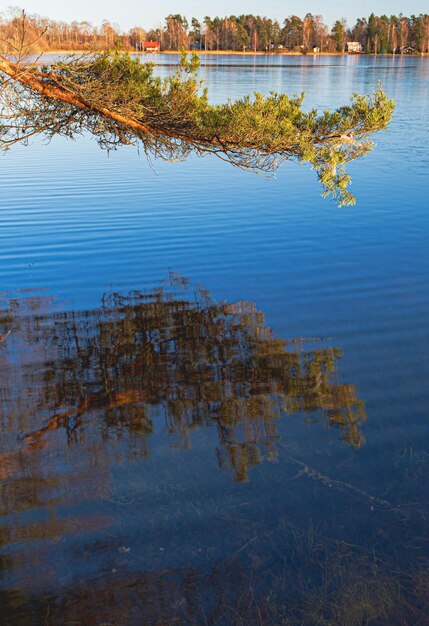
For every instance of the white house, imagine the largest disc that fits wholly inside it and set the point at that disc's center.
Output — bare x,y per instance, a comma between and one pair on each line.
354,46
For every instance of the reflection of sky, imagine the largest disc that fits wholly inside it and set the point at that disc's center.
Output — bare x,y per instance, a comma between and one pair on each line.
130,13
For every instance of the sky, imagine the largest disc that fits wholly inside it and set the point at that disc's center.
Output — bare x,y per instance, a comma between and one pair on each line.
127,13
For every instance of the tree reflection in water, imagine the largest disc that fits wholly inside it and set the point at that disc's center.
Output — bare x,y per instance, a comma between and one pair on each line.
78,388
201,363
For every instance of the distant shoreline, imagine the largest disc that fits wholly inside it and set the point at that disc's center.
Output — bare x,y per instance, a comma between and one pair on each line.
248,53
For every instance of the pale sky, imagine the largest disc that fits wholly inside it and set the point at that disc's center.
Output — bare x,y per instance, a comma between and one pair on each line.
127,13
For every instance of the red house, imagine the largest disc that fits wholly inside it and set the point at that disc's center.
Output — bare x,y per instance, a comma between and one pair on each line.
151,46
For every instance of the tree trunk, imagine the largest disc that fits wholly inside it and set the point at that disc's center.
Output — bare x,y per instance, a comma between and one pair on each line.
35,80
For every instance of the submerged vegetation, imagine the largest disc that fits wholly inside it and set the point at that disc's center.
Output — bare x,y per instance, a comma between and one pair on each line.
120,101
316,581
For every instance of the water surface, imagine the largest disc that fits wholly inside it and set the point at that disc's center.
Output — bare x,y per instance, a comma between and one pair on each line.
214,386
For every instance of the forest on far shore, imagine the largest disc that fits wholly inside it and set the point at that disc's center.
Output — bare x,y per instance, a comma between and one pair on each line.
375,34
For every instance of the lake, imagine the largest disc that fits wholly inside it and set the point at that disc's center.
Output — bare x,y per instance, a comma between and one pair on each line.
213,385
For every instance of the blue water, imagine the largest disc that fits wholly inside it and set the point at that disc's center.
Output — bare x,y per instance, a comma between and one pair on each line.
101,522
